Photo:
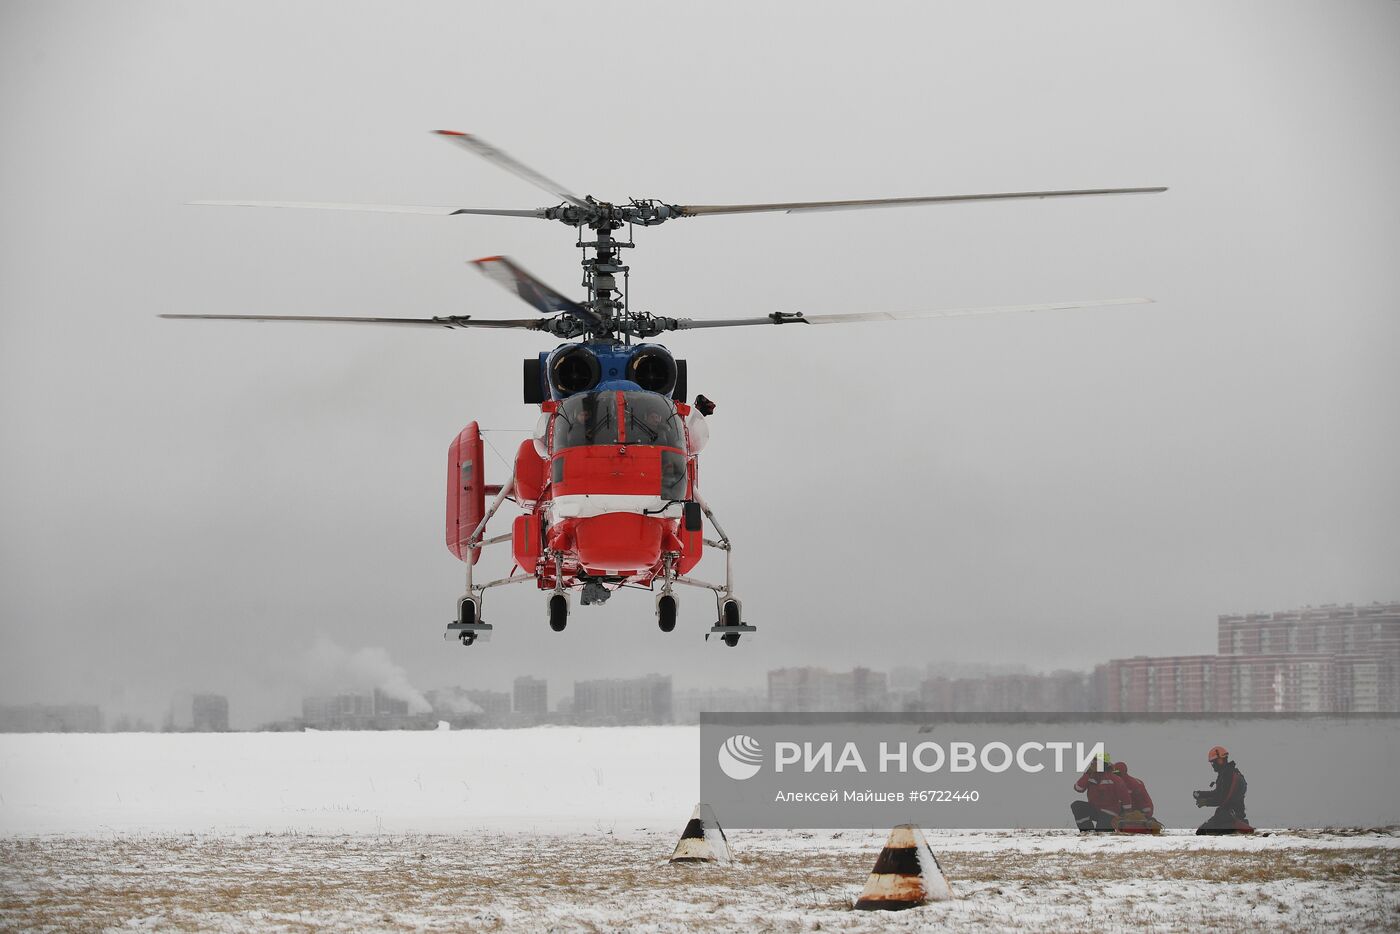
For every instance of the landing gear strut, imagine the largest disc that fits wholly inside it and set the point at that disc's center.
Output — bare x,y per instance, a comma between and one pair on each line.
730,624
468,625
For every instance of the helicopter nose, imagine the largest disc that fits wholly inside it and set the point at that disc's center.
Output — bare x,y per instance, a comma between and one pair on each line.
619,541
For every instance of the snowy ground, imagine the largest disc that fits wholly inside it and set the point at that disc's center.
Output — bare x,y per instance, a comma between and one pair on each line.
782,881
546,779
569,829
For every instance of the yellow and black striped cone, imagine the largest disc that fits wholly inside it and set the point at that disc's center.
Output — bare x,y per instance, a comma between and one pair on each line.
703,840
906,875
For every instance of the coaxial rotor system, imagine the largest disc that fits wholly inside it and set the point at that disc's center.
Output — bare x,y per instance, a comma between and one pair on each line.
604,312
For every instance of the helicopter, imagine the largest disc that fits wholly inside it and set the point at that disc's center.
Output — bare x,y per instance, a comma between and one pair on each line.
608,483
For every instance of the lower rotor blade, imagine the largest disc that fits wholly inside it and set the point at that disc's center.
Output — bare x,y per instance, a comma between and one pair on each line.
794,207
686,324
509,275
378,208
451,321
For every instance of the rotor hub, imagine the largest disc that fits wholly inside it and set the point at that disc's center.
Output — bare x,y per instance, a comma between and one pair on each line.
597,215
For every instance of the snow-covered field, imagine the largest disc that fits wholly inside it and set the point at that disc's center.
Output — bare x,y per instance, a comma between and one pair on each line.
545,779
781,881
569,829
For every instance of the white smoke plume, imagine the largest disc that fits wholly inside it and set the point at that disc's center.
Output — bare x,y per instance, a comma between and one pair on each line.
455,701
332,667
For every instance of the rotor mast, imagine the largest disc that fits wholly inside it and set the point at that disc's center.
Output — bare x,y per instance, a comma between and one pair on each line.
602,262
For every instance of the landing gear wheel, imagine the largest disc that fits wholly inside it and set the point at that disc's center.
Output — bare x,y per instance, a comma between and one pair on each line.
666,612
558,612
729,616
466,616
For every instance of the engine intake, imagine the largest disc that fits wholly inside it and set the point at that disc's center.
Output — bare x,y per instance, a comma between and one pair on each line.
653,368
574,369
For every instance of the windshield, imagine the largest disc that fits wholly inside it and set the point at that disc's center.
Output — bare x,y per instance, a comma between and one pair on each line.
652,419
587,418
591,418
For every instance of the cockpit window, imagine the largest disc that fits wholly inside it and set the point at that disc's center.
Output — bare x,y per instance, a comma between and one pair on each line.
591,418
651,419
587,418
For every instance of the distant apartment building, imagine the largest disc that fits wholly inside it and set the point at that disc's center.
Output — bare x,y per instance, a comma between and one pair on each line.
495,704
905,687
1282,683
906,678
1219,684
689,704
1324,630
1166,684
209,713
531,696
335,708
386,706
1021,692
51,718
1367,684
1363,643
1312,660
798,690
373,710
623,701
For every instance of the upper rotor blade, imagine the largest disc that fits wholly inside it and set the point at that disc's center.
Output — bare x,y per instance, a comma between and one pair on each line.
532,291
685,324
379,208
485,150
451,321
792,207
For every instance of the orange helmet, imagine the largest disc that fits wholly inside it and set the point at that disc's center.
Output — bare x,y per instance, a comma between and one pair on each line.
1217,754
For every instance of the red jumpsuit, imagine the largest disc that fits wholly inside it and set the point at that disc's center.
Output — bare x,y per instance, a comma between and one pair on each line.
1108,797
1139,799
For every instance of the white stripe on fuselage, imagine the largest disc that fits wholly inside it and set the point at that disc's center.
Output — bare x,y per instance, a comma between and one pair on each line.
584,505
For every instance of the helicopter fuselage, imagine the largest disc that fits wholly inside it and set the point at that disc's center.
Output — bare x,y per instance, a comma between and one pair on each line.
608,483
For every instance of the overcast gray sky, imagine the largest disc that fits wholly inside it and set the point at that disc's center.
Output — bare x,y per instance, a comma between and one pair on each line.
198,506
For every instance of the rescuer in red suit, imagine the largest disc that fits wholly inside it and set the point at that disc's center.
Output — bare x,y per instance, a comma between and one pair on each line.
1108,796
1137,817
1139,799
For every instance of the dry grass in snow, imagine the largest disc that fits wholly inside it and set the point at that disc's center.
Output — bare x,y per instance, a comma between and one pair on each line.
783,881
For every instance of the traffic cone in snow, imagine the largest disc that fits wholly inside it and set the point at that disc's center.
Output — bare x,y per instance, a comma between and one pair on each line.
906,875
703,840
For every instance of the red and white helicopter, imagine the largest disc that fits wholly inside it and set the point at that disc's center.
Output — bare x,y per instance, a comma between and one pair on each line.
608,486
